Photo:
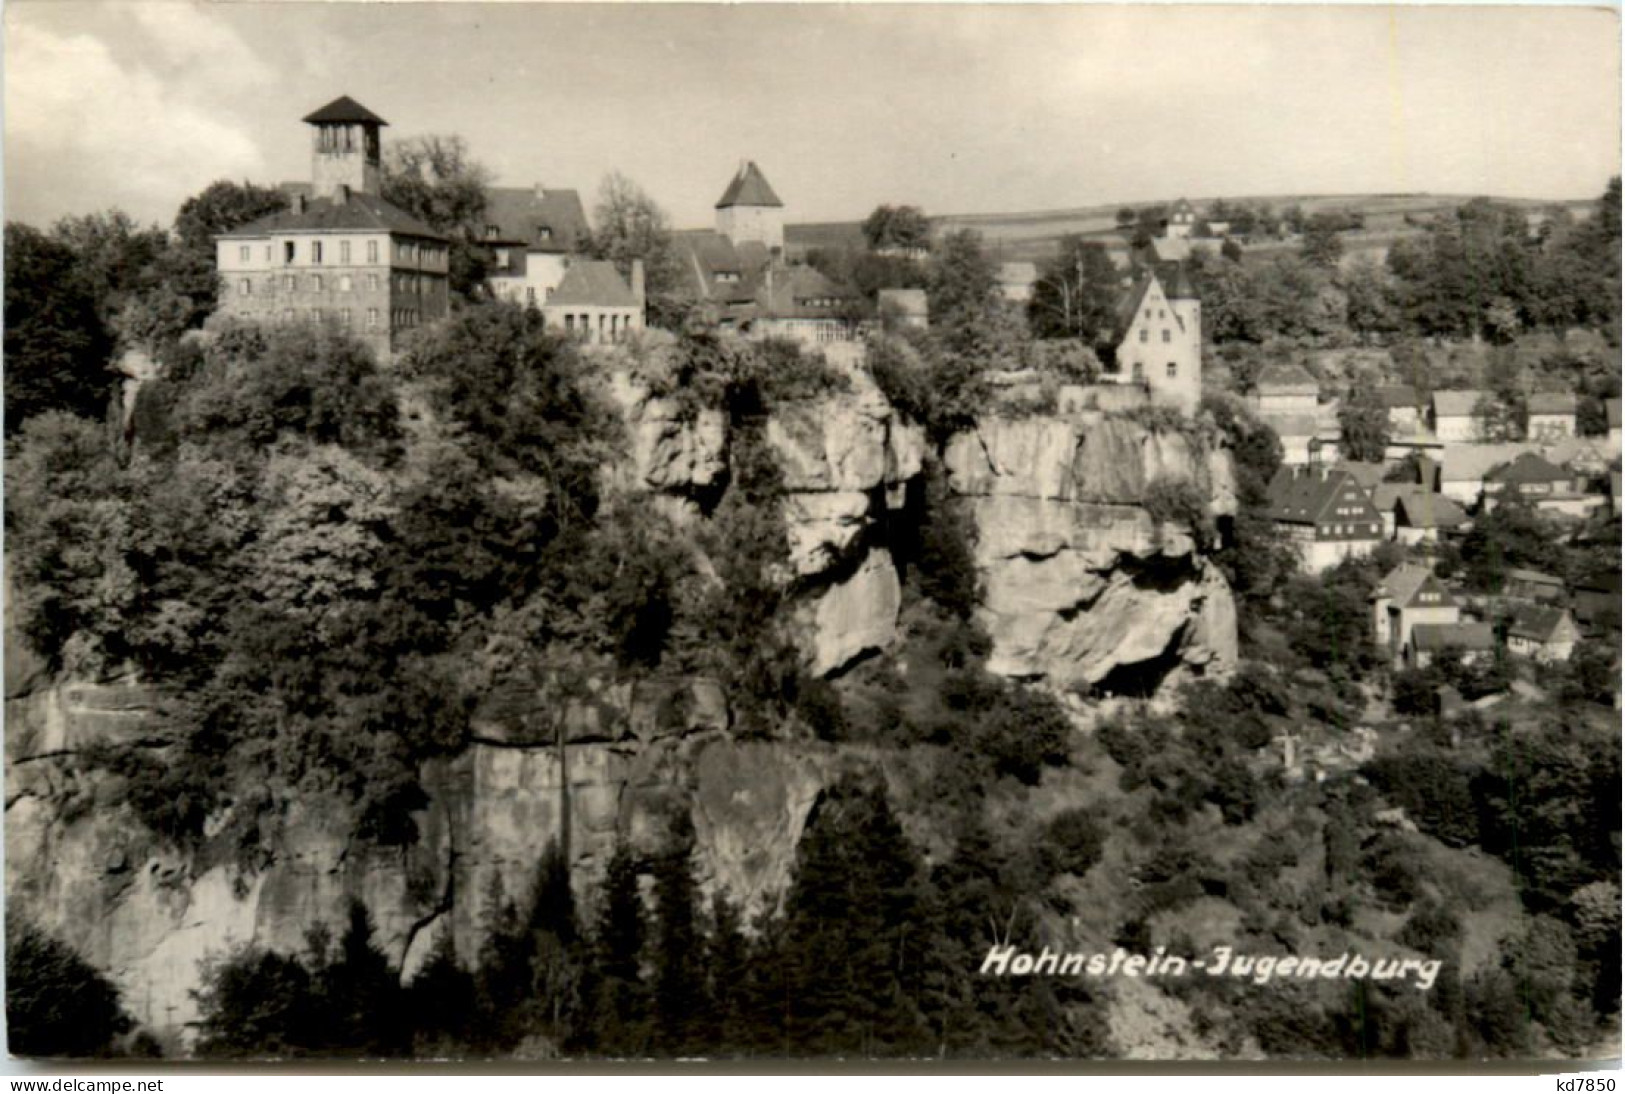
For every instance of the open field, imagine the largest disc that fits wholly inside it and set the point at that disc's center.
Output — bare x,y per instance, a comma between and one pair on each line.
1032,236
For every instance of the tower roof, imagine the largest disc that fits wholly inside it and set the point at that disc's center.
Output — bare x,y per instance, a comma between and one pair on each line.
749,187
343,109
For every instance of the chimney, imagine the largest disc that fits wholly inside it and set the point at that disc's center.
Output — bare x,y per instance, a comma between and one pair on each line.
344,193
637,282
299,204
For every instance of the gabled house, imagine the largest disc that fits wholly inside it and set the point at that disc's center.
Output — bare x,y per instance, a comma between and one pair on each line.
1325,513
1462,468
1522,584
594,305
529,235
1409,595
1540,482
801,304
1159,332
1454,415
1413,514
1551,415
1404,407
1541,632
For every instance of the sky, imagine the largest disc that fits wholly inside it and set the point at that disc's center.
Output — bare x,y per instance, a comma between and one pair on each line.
959,108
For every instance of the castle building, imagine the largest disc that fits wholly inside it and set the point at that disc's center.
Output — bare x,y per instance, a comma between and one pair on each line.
339,253
1159,324
531,234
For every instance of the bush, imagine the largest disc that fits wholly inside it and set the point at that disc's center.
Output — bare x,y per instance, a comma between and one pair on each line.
1071,843
1178,501
57,1004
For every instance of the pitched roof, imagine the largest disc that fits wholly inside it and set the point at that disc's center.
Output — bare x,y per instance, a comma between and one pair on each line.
1406,580
1286,377
1469,462
343,109
1399,396
749,187
1528,468
1553,402
1536,621
592,283
1306,495
800,292
1461,636
361,213
1368,475
544,220
1534,577
714,269
1128,304
1456,404
1424,509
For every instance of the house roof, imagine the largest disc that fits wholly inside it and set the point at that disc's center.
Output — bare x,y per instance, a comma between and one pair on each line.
1455,404
1408,579
1307,495
1529,468
749,187
360,213
1287,377
1553,402
1460,636
1534,577
1469,462
1368,475
592,283
342,109
1399,396
716,270
799,292
1300,425
541,219
1536,621
1421,508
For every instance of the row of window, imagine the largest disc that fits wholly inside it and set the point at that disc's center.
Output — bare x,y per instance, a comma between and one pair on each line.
1350,529
401,283
610,328
1167,335
398,317
318,252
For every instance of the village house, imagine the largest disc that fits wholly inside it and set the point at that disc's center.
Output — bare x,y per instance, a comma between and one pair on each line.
1404,407
1408,595
1462,468
594,305
1551,415
1455,417
1541,633
1472,642
529,235
801,304
1540,482
1413,514
1597,602
1287,399
1326,515
1523,584
1159,325
1286,387
340,253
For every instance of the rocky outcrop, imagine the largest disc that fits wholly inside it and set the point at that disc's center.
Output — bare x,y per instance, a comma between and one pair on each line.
1080,579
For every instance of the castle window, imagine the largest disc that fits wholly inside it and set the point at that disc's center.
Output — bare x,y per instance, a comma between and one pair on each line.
287,282
267,252
290,250
316,253
242,253
316,282
372,282
344,317
344,283
1173,370
344,252
245,287
530,295
1167,335
372,251
1145,335
372,317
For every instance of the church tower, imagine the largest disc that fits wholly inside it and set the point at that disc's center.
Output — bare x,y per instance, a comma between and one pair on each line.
750,212
344,149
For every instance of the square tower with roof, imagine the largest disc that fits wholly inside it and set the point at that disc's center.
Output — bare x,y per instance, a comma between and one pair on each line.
750,212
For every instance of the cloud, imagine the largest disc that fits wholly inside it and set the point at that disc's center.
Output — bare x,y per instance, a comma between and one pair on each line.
84,130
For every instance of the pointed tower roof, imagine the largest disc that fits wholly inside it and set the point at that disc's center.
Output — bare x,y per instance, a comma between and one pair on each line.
343,109
749,187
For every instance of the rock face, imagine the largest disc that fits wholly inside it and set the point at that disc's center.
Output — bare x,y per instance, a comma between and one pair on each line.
80,862
1080,580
